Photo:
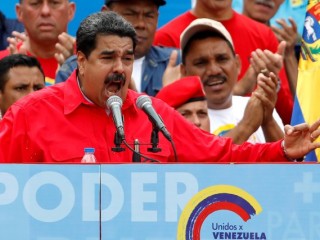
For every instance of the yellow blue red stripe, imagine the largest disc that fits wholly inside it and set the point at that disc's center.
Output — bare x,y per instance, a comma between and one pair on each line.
211,199
306,107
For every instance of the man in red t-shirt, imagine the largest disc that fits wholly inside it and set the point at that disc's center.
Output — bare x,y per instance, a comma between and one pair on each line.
247,35
263,12
45,24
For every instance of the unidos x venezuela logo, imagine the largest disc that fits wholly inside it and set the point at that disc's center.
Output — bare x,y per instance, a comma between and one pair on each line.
212,199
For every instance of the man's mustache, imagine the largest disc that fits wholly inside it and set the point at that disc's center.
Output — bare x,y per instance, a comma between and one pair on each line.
115,77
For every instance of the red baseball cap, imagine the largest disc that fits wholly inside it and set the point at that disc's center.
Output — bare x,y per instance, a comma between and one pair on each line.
182,91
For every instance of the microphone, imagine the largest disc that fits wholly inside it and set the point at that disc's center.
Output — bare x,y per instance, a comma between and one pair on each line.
144,102
114,103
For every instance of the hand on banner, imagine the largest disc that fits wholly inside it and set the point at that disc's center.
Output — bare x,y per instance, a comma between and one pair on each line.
300,139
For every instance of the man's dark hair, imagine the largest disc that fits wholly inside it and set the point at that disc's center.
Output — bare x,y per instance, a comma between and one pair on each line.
200,36
16,60
102,24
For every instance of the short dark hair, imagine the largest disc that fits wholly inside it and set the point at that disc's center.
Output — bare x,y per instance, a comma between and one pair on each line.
200,36
102,23
16,60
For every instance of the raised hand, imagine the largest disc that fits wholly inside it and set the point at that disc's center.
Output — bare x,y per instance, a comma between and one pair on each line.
64,48
300,139
267,60
289,34
267,94
172,72
15,40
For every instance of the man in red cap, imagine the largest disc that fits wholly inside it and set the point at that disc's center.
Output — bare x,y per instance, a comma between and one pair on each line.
187,97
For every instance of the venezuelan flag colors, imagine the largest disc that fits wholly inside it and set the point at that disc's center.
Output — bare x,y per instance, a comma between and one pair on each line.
211,199
306,106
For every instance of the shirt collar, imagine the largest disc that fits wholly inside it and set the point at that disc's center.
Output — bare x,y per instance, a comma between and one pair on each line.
73,97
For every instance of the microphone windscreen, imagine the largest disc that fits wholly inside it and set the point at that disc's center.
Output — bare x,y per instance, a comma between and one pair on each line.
142,100
114,100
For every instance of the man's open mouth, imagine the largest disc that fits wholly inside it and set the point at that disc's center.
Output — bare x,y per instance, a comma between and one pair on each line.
114,83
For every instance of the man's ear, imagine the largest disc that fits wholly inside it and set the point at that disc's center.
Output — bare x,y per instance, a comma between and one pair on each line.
105,8
81,59
19,12
72,10
238,63
183,70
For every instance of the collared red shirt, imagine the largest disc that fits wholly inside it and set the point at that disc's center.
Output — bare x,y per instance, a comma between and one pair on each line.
57,123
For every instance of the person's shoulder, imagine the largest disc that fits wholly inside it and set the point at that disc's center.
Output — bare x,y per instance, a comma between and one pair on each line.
45,96
161,53
70,64
250,23
253,32
72,59
4,53
176,22
13,25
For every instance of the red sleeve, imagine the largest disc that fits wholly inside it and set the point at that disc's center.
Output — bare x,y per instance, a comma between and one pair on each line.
4,53
284,103
15,144
165,39
169,34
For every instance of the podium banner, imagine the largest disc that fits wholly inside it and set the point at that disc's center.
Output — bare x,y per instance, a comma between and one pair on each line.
160,201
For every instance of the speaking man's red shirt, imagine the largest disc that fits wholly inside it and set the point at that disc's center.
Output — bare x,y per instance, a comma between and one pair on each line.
57,123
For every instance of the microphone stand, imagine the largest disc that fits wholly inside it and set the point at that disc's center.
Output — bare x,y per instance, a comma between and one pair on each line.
117,141
136,156
154,140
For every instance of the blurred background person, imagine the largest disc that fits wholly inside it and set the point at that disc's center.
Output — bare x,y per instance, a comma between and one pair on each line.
187,97
45,24
8,25
262,11
20,75
288,9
